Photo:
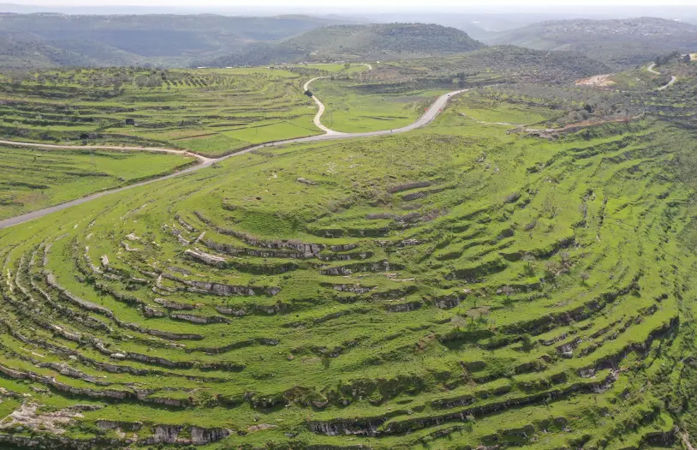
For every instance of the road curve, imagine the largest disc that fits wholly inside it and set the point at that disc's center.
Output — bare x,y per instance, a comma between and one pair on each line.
670,83
650,68
321,108
425,119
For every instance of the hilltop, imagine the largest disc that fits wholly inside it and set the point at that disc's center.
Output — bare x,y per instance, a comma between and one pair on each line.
359,42
479,281
618,42
381,40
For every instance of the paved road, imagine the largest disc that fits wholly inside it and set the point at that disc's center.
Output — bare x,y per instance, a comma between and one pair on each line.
321,108
425,119
670,83
650,68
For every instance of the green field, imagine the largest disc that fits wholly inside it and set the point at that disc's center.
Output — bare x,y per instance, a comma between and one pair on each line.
213,111
208,111
350,107
465,285
31,178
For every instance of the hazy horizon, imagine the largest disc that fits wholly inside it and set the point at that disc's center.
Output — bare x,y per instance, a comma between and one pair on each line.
677,9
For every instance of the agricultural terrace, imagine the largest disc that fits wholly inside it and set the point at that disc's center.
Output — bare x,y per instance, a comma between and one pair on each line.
492,279
212,111
32,178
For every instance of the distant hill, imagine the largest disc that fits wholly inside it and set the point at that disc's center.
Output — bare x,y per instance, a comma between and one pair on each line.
380,40
618,43
33,54
358,42
487,65
523,64
162,39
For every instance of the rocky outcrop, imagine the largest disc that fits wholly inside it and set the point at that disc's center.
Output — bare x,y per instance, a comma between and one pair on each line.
173,305
228,290
229,311
166,434
303,180
202,436
308,250
408,186
345,256
403,307
352,288
236,345
184,224
118,425
206,258
233,250
449,301
54,442
378,266
201,320
221,289
87,305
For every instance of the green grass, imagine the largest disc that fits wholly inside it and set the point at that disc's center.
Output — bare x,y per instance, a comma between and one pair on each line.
457,285
352,108
31,178
212,111
481,108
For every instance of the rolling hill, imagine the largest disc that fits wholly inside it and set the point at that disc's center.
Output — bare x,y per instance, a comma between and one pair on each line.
486,281
358,42
44,40
619,42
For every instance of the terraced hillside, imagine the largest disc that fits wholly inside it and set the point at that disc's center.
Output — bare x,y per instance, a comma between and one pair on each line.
353,106
211,112
466,284
32,178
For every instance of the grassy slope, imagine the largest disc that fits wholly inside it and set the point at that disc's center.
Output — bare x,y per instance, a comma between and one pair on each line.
209,111
212,112
349,108
31,179
513,248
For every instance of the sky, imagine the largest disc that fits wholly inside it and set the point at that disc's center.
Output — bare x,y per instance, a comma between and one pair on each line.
672,9
358,4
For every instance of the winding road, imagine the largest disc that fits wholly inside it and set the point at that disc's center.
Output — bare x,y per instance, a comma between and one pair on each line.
650,68
427,117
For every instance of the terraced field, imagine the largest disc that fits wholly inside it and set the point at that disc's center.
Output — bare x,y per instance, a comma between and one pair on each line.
211,112
466,284
31,179
351,107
